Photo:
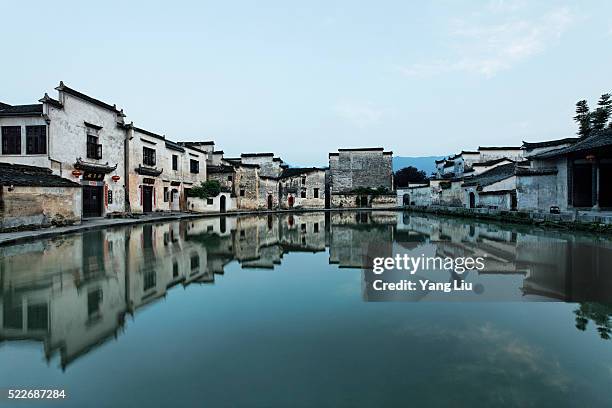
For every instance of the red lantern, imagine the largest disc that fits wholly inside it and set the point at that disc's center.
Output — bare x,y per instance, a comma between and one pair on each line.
115,178
76,173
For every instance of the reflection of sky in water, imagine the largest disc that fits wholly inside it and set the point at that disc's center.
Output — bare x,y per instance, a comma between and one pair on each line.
301,334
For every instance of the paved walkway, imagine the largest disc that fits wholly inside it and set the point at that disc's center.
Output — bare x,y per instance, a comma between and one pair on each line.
8,238
89,224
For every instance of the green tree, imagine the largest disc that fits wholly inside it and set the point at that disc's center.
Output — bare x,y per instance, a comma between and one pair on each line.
206,189
583,118
602,113
408,175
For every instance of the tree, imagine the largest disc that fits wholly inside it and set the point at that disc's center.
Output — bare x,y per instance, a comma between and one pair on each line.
207,189
602,113
408,175
599,313
583,118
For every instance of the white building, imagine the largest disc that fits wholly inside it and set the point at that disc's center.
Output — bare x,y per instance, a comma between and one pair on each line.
161,171
78,137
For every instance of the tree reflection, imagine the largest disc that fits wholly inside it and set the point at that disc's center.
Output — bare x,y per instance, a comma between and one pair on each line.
599,313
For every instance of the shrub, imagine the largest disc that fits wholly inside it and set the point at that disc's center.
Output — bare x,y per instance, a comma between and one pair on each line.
206,189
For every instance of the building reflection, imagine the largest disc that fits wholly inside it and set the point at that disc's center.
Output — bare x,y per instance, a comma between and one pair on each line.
74,293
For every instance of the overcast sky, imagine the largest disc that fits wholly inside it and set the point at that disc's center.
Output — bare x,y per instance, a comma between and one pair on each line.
304,78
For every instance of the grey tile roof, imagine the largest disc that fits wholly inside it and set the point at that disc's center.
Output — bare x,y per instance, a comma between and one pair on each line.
550,143
174,146
491,176
219,169
296,171
19,110
524,171
491,162
499,148
256,154
594,141
30,176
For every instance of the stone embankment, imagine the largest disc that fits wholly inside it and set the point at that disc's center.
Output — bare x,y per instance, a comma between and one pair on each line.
578,220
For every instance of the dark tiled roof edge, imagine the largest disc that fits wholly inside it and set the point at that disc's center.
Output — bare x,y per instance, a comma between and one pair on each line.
23,110
54,102
174,146
364,149
213,169
296,171
204,143
491,162
149,133
64,88
549,143
500,148
188,145
31,176
496,192
594,141
257,154
492,176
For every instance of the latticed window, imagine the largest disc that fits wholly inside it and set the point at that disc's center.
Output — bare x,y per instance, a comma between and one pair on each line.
150,279
94,149
148,156
36,139
11,139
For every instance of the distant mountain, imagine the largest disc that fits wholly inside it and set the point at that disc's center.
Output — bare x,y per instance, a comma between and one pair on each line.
427,164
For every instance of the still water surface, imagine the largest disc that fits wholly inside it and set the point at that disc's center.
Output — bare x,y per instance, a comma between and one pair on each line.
275,311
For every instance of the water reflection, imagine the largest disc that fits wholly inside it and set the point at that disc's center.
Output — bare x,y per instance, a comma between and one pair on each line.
73,293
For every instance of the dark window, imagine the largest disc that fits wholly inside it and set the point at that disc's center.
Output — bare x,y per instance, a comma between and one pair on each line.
195,262
166,194
303,193
36,139
316,227
194,166
94,298
175,269
209,201
148,156
315,193
13,314
242,192
174,162
303,227
11,139
94,150
38,317
303,180
229,178
150,278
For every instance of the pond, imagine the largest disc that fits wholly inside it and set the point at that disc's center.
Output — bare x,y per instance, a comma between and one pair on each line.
278,310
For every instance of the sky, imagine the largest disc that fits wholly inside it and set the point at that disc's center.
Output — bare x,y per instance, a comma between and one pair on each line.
302,79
